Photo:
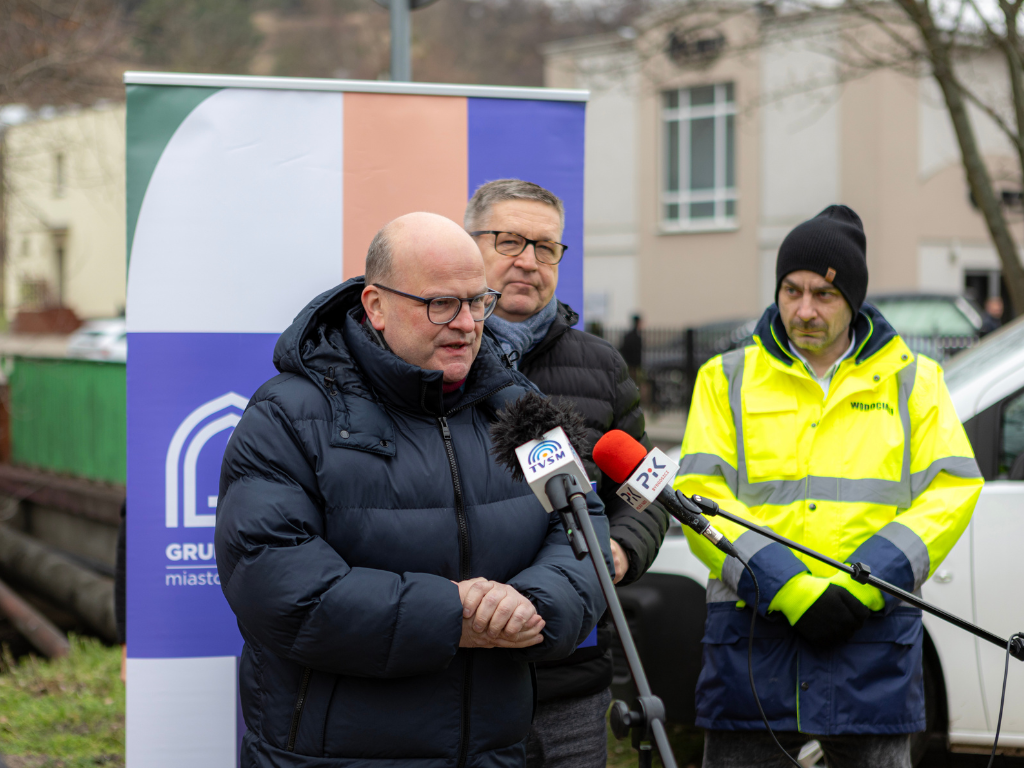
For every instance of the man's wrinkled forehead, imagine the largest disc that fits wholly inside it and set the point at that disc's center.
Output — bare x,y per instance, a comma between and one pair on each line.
516,212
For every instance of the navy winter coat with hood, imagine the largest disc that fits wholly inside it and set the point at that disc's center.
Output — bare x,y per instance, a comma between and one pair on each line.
353,493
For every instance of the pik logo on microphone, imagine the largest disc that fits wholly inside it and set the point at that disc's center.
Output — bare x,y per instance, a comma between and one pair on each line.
648,480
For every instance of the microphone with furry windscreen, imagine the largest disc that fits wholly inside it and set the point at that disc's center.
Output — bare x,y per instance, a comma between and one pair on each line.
540,441
527,419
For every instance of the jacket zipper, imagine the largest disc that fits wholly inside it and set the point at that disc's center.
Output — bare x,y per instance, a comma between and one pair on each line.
464,560
298,708
460,506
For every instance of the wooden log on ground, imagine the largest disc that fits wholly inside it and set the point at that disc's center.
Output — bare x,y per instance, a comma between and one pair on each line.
35,627
85,593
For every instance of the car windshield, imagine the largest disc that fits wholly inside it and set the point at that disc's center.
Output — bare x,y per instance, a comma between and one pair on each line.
977,362
925,317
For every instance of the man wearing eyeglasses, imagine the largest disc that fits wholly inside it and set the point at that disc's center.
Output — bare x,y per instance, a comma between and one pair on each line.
518,227
390,580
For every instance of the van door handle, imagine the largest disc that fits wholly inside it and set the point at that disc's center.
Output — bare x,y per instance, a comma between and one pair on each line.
942,576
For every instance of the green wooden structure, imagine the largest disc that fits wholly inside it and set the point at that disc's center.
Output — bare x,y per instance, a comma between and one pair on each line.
68,416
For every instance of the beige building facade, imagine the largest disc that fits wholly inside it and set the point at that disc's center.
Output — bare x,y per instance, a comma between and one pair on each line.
729,151
64,177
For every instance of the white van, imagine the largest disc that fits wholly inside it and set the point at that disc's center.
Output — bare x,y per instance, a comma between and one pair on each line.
981,580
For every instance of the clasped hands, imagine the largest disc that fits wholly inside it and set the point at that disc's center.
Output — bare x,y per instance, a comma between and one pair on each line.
827,611
495,615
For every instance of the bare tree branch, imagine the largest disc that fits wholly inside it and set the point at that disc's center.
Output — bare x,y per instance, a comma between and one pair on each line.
940,50
1011,49
59,51
993,115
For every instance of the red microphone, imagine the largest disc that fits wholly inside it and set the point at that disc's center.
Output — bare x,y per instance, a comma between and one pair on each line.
618,455
622,458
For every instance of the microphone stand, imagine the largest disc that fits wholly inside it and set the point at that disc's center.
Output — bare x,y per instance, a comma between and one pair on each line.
862,573
567,496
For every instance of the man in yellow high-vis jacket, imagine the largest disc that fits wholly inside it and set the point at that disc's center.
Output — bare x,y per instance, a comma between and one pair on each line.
831,432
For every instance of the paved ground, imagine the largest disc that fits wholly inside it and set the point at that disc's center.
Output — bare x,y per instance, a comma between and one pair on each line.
969,761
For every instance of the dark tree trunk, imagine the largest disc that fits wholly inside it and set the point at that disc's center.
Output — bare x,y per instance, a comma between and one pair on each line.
940,54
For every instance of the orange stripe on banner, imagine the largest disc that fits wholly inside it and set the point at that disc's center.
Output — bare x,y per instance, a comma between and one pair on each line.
402,154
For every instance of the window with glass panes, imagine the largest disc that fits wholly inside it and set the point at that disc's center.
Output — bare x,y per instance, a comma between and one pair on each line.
699,173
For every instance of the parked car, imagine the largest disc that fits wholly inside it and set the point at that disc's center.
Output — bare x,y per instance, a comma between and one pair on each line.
934,324
977,581
100,340
930,314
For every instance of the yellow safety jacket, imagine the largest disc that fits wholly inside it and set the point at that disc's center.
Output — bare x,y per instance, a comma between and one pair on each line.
879,471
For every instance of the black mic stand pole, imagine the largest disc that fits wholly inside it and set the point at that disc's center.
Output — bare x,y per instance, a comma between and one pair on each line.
567,496
862,573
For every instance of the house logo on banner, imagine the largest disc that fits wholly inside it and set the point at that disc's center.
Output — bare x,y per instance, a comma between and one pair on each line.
186,462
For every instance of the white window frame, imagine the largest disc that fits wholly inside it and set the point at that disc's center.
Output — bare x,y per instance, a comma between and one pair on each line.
720,194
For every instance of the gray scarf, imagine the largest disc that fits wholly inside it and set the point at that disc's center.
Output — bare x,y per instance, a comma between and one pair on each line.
523,336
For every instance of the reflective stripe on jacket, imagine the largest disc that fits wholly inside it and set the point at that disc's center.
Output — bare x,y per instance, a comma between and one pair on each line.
838,474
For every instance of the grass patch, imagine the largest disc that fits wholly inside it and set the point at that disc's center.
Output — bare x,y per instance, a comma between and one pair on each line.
687,746
65,713
69,713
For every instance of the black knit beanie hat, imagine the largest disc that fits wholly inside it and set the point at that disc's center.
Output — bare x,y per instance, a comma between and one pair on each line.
833,245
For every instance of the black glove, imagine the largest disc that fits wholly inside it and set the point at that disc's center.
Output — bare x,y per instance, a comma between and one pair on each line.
832,618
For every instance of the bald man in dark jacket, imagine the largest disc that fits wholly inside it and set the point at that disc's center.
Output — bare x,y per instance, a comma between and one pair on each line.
364,528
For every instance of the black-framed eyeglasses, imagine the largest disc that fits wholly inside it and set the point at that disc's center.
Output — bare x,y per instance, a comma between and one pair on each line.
442,310
512,244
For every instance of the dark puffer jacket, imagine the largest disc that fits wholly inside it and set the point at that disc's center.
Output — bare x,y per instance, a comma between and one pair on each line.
353,493
590,373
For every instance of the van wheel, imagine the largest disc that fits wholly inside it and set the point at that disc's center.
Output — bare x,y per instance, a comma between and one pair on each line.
933,737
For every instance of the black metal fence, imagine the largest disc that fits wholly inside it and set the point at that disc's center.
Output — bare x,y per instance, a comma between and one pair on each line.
672,356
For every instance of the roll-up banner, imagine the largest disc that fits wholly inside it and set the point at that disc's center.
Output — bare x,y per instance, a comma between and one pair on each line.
246,198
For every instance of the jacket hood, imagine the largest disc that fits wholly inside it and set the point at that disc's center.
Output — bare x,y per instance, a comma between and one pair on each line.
329,344
332,303
873,334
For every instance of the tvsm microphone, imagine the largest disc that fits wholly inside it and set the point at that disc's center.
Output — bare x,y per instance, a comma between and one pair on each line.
535,438
646,477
